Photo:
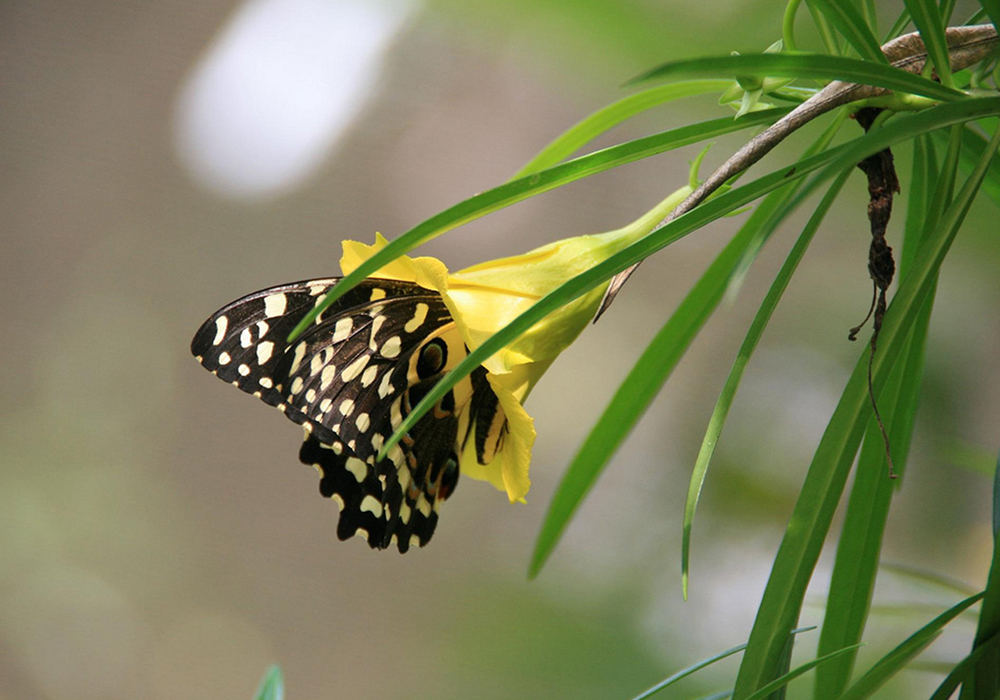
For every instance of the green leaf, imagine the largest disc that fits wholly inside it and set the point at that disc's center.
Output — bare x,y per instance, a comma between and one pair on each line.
716,207
927,577
964,671
927,17
653,367
804,65
728,395
858,552
972,458
848,20
992,8
787,678
695,667
690,670
973,144
827,475
897,659
985,681
614,114
823,28
531,185
272,685
898,26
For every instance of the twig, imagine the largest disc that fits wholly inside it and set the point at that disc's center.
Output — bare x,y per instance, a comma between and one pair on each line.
966,46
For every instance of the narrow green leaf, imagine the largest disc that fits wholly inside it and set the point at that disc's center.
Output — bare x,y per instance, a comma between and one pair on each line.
614,114
973,144
964,671
804,65
992,8
641,385
690,670
695,667
898,26
518,190
728,395
823,28
787,678
711,210
897,659
827,475
969,457
985,681
272,685
859,549
976,17
927,17
947,8
716,207
928,577
646,378
848,20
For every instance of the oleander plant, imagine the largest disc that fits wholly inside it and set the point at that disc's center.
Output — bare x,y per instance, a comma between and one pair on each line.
406,375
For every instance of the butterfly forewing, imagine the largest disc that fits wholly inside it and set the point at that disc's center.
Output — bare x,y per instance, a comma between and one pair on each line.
350,380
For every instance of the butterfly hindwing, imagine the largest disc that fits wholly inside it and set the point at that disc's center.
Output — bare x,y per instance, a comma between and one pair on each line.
350,380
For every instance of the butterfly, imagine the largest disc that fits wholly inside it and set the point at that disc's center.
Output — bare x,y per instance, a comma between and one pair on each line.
350,380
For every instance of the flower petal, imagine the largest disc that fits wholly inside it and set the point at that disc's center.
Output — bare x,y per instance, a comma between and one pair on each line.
428,272
508,471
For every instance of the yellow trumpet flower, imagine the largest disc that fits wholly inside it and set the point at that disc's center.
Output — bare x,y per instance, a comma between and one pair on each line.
484,298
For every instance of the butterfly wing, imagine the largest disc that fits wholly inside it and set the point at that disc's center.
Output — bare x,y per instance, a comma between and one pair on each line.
350,380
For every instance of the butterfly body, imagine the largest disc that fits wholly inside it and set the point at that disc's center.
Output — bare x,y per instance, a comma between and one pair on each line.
350,380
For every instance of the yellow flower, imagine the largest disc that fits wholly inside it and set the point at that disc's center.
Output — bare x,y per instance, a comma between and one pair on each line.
486,297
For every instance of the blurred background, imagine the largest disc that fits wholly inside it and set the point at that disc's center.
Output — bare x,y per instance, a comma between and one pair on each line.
158,536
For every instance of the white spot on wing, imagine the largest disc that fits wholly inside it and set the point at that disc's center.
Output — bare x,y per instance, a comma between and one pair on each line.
264,351
385,388
371,505
224,358
423,505
346,407
363,421
266,382
354,369
244,370
369,376
391,347
300,352
419,316
356,467
376,327
327,377
297,385
246,338
221,324
342,330
316,364
275,304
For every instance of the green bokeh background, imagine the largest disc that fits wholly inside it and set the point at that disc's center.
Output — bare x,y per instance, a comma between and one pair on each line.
158,537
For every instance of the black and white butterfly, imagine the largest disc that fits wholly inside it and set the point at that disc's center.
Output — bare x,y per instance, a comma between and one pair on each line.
350,380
